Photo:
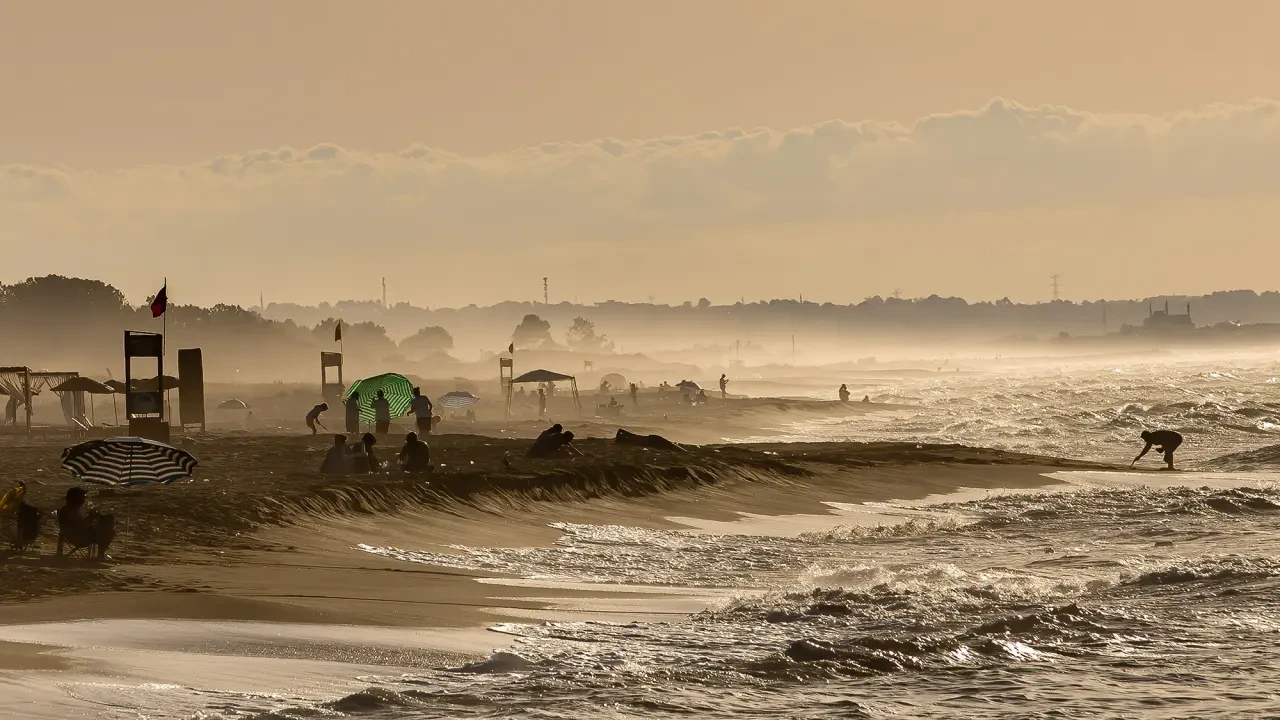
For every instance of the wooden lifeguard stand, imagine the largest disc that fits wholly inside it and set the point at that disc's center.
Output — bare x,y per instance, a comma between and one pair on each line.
144,409
331,391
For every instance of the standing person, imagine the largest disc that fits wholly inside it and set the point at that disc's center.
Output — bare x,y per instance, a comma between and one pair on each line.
1165,441
542,403
381,414
313,417
353,413
422,410
635,392
724,383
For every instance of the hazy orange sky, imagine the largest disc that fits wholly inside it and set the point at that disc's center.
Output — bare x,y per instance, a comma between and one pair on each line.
409,139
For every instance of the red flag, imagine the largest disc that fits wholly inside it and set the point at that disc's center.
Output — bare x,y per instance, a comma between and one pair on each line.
161,302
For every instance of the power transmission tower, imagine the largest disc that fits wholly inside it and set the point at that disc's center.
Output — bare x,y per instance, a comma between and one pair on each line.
897,294
1055,280
384,292
545,301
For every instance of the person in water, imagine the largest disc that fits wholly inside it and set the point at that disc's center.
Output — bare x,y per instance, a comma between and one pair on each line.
1165,441
415,456
313,417
635,392
724,384
844,393
353,413
381,414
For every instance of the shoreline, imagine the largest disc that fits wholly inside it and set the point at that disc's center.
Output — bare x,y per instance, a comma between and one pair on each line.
280,552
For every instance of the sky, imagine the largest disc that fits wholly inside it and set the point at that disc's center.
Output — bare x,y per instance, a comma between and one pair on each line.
733,150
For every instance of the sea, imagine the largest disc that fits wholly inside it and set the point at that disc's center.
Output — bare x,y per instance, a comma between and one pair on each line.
1106,595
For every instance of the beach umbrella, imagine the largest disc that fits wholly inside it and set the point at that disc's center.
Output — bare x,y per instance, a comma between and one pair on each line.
396,387
615,380
689,385
83,384
457,399
233,404
87,385
149,384
126,461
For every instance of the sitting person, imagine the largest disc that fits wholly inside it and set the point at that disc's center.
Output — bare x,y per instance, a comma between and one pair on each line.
335,461
361,458
657,442
415,456
552,441
700,398
83,527
844,393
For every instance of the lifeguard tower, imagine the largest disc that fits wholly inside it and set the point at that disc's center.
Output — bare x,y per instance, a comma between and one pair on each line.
331,391
144,409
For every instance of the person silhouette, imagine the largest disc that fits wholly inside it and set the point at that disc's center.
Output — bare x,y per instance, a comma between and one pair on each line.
1165,441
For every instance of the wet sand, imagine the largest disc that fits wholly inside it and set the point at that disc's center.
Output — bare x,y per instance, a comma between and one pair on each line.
259,537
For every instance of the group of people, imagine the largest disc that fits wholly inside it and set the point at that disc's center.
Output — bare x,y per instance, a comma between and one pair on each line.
552,441
421,407
359,458
844,394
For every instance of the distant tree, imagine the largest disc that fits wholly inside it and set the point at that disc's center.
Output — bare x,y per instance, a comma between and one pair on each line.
532,332
57,295
431,339
582,337
365,338
704,303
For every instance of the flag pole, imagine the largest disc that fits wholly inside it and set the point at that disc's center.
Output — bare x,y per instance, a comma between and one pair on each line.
164,351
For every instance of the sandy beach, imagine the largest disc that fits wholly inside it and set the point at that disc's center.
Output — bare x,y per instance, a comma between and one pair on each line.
260,540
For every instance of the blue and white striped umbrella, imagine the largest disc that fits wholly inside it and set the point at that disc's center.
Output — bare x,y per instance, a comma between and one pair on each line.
457,399
125,461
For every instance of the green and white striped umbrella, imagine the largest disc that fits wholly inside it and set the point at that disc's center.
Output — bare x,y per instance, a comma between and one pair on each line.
396,387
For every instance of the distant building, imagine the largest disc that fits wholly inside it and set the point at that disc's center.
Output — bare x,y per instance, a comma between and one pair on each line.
1162,321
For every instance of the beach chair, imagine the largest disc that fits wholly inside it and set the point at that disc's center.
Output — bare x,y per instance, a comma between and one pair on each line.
74,538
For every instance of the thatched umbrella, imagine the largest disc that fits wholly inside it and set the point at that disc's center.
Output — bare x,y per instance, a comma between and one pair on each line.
87,385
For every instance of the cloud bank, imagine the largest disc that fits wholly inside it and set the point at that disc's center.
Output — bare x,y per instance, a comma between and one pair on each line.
234,212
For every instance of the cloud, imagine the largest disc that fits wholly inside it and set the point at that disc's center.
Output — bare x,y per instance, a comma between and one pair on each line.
1002,157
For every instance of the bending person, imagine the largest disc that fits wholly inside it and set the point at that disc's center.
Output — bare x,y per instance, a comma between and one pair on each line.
1165,441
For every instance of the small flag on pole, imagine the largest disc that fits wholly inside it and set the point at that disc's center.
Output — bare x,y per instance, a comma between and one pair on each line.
511,348
161,302
337,332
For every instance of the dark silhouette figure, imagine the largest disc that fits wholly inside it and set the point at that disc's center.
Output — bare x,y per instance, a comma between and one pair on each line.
552,441
381,414
313,417
353,413
423,410
724,383
335,461
362,457
542,402
844,393
656,442
1165,441
635,394
83,527
415,456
